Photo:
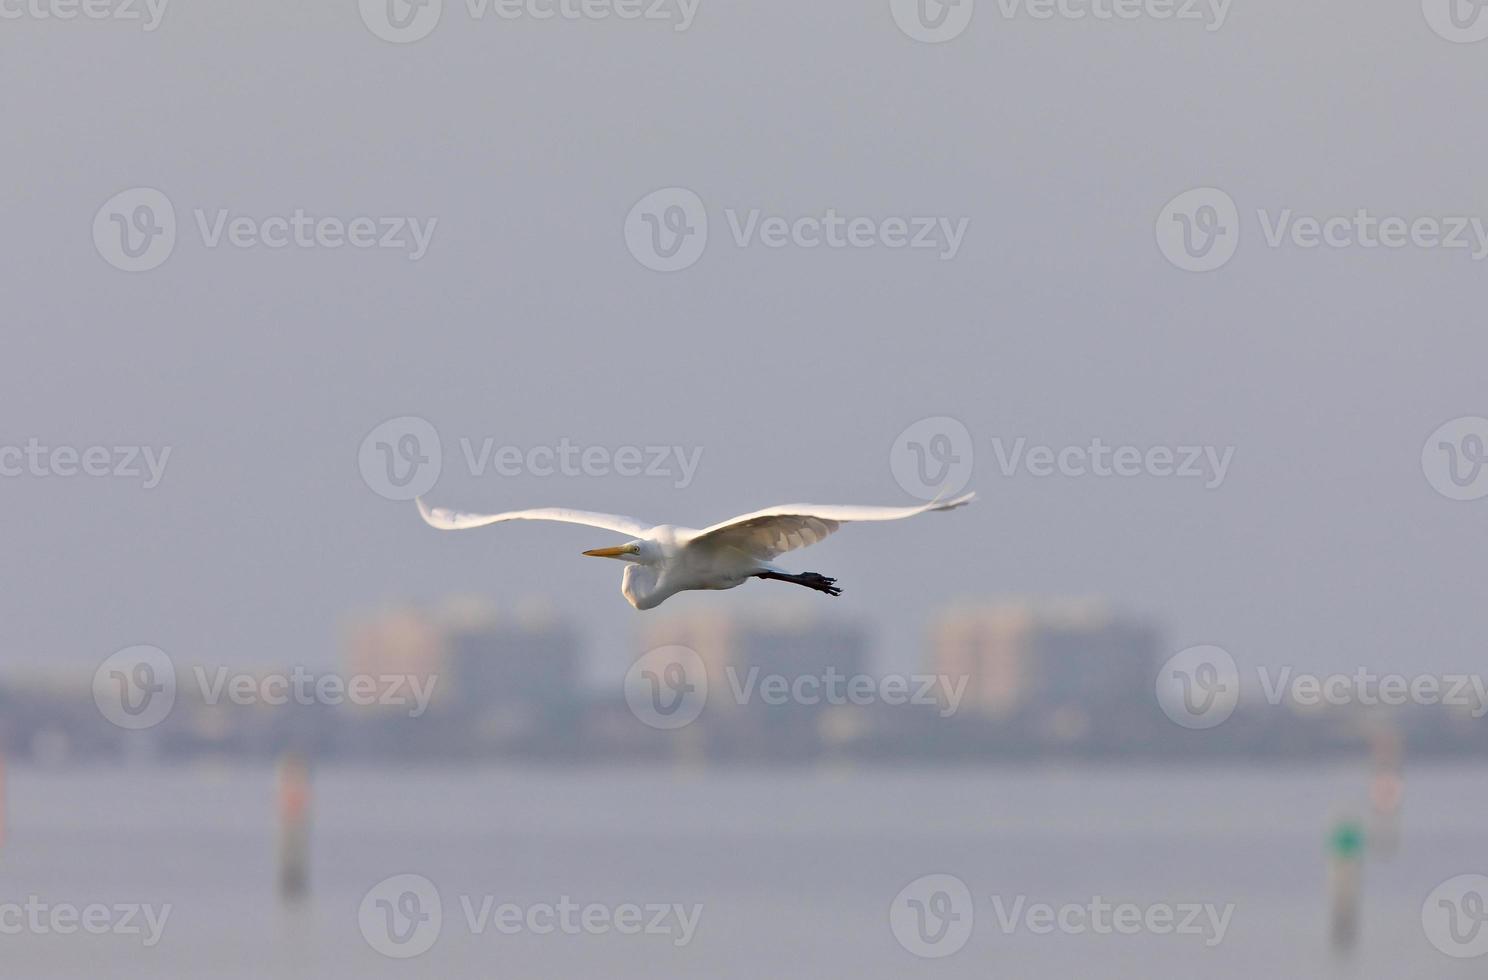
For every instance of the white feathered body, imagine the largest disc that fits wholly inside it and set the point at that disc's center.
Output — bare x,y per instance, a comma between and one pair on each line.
665,559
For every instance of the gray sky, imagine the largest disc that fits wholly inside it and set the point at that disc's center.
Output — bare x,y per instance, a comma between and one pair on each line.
529,321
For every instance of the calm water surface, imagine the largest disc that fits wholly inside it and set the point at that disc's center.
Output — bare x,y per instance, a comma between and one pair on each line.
795,871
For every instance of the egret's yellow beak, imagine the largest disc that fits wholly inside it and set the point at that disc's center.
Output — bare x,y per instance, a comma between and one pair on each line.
616,552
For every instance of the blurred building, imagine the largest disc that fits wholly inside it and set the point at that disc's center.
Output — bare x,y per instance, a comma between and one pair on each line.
1066,666
498,677
393,641
47,716
525,658
788,642
743,649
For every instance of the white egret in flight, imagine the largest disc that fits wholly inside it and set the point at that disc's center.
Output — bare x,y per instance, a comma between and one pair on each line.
665,559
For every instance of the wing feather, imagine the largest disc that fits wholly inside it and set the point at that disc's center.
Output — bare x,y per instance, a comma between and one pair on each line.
776,530
454,520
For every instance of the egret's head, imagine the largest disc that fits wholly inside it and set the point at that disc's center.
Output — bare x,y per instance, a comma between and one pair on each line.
630,551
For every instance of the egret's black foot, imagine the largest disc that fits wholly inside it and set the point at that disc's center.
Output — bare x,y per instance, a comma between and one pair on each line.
820,583
812,580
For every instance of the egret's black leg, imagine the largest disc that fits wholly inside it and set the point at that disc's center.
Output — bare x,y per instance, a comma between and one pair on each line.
812,580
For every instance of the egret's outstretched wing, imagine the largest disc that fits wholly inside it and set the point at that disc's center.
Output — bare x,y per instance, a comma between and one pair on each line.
454,520
776,530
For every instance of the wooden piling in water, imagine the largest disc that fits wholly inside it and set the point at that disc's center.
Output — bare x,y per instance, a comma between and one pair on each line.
1346,880
294,826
